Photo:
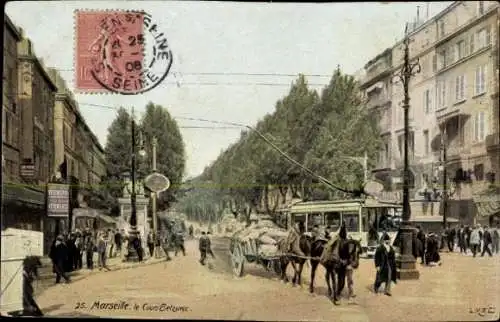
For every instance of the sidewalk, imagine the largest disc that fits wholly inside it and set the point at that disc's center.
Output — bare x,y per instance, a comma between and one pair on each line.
47,278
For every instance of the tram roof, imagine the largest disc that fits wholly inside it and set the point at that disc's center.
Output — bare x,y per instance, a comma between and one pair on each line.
323,205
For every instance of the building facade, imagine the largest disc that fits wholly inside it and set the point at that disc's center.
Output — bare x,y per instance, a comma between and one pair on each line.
28,132
453,106
78,155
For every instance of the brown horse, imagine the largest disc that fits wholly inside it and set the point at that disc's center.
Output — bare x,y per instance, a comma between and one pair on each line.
305,243
348,254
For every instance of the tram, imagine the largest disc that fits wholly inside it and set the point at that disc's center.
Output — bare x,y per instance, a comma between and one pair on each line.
366,219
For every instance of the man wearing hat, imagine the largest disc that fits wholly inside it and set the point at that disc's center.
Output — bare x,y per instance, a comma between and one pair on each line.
385,263
59,256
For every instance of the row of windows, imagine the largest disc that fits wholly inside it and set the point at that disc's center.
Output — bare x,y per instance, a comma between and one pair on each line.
458,89
462,49
10,128
479,126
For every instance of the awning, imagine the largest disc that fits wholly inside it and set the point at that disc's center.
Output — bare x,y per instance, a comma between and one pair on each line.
93,213
24,194
376,86
488,202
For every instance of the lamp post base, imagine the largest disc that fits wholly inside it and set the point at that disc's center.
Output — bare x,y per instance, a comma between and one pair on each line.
406,263
132,255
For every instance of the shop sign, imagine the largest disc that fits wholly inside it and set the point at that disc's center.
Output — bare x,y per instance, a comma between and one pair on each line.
58,196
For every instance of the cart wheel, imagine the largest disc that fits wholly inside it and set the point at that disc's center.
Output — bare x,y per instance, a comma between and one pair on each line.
237,259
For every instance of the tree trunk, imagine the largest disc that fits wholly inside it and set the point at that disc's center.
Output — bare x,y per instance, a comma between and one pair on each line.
283,192
233,208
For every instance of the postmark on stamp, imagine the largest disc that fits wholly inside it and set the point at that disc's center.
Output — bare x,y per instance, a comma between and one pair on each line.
119,52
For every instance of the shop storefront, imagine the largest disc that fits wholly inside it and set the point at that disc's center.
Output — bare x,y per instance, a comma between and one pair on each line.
23,208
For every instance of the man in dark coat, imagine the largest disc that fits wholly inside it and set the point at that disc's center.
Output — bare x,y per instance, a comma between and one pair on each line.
59,256
202,246
487,241
421,242
432,253
451,238
30,272
462,239
385,263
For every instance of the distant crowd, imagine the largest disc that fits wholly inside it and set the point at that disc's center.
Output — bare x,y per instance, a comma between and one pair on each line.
477,239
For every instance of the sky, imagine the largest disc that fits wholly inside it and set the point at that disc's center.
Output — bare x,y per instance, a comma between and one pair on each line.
279,40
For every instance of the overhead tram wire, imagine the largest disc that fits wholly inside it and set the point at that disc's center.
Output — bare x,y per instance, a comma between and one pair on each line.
230,74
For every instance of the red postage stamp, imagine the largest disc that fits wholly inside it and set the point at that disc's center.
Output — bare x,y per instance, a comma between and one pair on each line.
112,53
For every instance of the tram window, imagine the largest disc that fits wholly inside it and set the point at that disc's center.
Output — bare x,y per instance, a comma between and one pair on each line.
351,221
314,219
369,218
332,220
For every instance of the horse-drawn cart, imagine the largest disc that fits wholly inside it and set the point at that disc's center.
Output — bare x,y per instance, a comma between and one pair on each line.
257,244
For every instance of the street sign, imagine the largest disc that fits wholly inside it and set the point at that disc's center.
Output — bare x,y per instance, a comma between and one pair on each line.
373,187
27,170
157,182
58,200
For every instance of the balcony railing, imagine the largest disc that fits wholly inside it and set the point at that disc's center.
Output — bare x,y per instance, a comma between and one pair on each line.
493,140
377,68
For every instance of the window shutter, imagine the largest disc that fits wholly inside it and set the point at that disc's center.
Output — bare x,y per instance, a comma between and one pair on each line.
488,36
457,88
483,80
471,44
434,63
464,87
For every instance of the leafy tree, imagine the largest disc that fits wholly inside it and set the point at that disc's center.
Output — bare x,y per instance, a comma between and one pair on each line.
318,131
118,152
170,154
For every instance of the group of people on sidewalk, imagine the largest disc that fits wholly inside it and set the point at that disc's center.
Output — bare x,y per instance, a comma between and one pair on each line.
477,239
68,251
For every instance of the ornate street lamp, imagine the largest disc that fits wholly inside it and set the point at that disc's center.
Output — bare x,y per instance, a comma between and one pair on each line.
133,233
406,262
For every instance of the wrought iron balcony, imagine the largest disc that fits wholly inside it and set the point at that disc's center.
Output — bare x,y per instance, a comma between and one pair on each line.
493,141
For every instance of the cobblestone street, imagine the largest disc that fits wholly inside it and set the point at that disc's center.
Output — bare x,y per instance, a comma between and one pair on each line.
184,289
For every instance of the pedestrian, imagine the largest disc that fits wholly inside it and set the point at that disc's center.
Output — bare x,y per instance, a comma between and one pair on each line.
475,239
496,239
165,245
101,251
59,256
487,241
468,232
179,243
78,251
191,231
151,243
202,246
209,246
30,272
90,248
385,263
118,243
450,238
432,256
421,244
461,239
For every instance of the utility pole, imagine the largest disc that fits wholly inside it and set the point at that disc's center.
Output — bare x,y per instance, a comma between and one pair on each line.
407,268
153,203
